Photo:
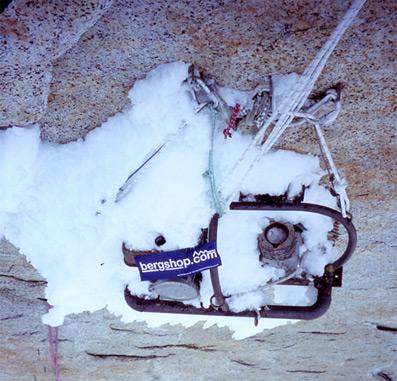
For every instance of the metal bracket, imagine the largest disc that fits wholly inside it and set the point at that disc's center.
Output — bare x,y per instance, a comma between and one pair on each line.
323,284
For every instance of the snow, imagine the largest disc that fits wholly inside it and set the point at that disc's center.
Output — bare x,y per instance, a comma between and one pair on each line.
58,205
19,149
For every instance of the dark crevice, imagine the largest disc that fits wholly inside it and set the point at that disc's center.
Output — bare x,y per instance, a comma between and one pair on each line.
241,362
386,328
265,340
382,376
383,243
10,269
138,332
248,365
32,281
306,371
3,5
27,333
11,317
322,333
127,357
282,348
185,346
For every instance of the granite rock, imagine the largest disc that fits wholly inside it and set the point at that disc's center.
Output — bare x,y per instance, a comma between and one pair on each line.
89,75
25,103
32,35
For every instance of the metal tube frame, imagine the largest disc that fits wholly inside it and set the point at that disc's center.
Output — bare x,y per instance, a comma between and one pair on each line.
219,306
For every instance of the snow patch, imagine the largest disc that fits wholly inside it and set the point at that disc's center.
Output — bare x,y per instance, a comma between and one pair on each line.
58,205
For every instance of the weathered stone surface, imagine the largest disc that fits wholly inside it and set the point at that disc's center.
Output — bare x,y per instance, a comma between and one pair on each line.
32,35
238,42
25,102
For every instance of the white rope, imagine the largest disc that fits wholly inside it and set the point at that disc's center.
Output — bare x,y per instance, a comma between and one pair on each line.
339,183
312,73
298,96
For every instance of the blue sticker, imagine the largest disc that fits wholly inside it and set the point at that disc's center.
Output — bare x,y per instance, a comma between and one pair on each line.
178,263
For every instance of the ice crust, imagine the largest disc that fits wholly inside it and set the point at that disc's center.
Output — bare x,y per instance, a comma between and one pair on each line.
57,204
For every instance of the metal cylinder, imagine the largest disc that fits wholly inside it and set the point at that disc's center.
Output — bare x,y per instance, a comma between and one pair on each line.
278,246
175,289
277,242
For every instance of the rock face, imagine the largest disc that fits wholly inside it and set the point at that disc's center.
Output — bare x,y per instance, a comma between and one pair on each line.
33,35
69,66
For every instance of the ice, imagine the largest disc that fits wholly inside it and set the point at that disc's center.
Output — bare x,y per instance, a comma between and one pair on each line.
58,204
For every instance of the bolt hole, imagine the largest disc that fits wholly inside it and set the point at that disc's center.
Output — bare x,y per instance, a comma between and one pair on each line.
160,240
